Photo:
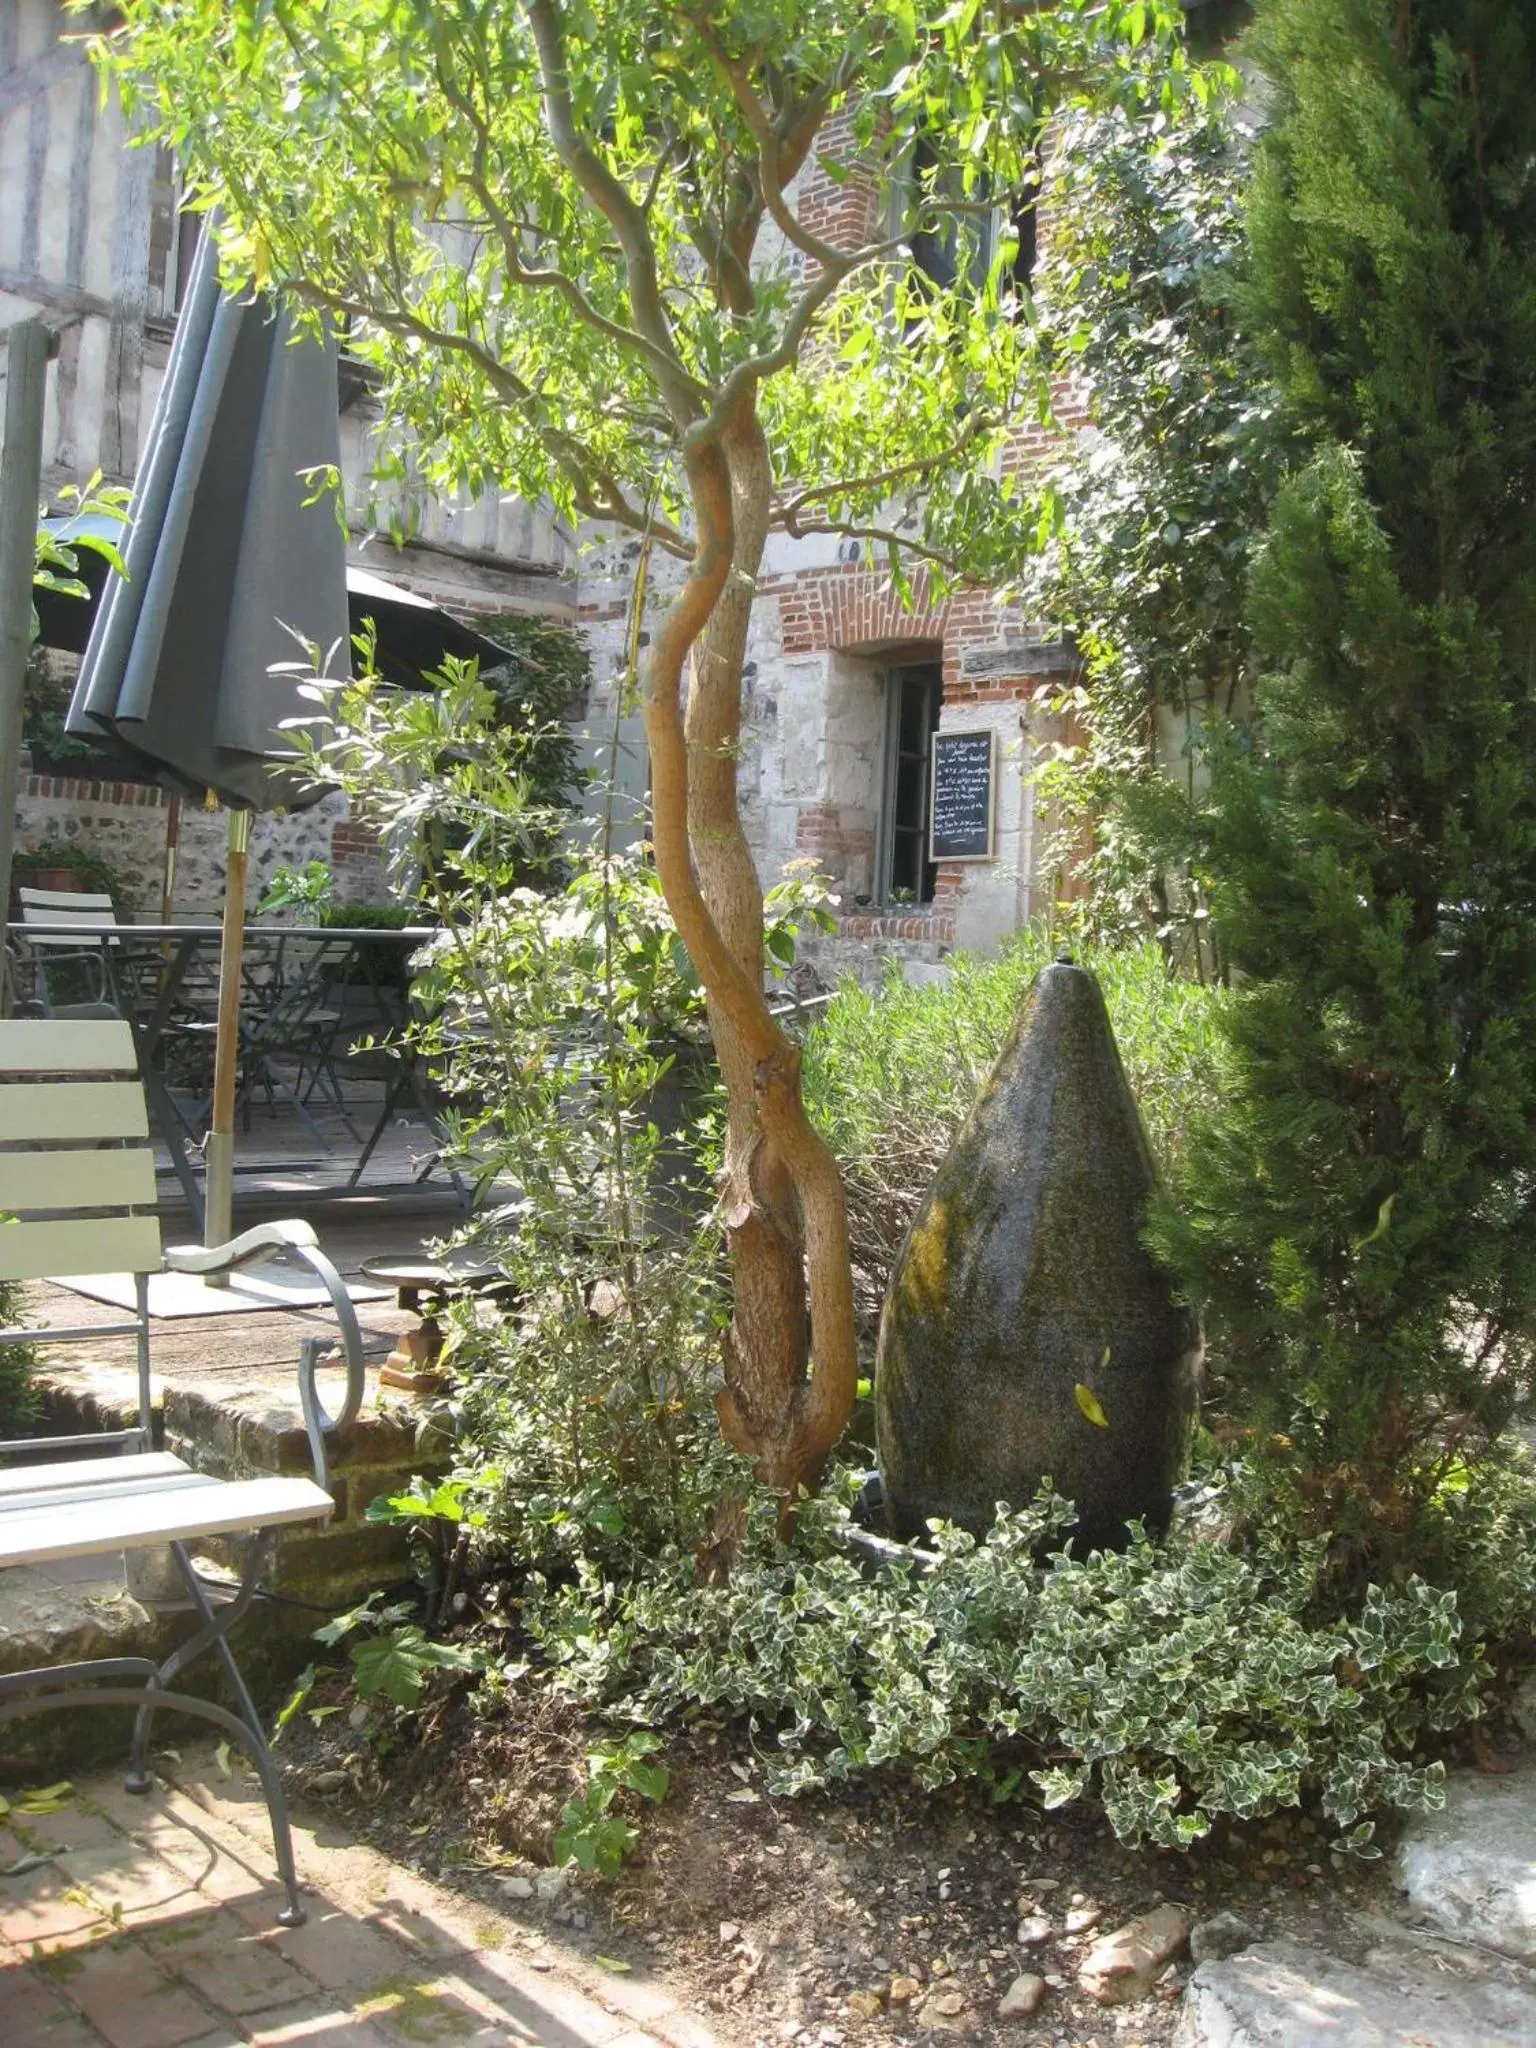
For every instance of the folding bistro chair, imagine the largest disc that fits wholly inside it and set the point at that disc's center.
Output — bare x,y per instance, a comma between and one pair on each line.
58,958
77,1180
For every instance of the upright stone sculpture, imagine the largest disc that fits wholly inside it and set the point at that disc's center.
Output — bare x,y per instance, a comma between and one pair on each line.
1027,1332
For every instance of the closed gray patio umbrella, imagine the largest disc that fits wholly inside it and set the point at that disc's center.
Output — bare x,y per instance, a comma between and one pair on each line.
229,571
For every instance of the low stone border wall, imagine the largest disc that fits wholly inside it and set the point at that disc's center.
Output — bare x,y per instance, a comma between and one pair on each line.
329,1567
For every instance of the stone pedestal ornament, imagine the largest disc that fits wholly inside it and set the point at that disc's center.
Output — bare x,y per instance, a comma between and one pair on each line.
1027,1332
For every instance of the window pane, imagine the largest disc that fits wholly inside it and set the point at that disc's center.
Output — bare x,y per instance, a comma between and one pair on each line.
913,735
914,712
909,793
907,862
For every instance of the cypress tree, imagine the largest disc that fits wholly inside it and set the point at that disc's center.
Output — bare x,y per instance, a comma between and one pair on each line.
1358,1210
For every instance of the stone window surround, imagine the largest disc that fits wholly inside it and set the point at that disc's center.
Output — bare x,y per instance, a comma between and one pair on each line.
989,654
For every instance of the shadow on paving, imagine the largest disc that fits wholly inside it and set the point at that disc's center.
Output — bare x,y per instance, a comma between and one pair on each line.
150,1923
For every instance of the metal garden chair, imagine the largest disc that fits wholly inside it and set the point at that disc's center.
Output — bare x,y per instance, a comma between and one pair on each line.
57,959
77,1181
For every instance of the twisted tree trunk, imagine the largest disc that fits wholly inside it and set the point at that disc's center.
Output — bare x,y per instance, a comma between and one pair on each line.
790,1354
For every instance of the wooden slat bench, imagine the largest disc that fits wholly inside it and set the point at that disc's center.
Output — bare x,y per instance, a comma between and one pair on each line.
77,1189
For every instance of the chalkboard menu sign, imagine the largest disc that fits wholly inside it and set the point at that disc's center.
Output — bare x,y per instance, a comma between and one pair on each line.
962,813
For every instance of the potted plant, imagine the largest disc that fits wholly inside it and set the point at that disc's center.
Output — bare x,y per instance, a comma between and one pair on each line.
58,864
305,891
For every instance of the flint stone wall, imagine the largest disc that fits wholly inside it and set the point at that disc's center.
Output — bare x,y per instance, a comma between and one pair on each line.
124,823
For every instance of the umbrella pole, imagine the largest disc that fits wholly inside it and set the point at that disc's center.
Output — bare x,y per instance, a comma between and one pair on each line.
172,848
219,1151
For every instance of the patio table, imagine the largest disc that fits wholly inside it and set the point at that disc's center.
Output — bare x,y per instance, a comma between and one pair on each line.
150,965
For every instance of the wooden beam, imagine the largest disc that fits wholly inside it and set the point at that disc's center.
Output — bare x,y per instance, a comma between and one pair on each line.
54,297
39,74
28,345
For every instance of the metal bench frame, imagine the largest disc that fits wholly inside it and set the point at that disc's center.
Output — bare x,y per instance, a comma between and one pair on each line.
61,1122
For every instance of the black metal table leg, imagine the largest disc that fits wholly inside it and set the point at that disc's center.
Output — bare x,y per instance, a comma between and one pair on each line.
147,1033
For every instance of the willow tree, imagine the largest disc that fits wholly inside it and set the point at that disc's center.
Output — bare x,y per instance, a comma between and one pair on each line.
569,235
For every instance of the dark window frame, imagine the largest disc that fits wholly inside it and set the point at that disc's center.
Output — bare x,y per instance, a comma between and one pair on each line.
933,249
914,696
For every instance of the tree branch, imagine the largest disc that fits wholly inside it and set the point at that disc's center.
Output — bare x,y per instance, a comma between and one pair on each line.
886,536
727,245
597,492
607,194
716,242
771,176
752,369
920,465
663,362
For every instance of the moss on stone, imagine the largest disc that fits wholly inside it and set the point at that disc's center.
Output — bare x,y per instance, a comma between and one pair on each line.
1023,1278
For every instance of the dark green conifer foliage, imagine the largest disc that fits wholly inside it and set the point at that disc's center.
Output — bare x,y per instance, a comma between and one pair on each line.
1358,1212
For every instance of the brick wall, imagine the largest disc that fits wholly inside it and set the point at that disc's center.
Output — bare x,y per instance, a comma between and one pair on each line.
130,795
357,864
988,649
936,924
840,209
997,664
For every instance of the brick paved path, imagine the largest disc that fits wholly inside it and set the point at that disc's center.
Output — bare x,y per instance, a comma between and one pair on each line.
152,1926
